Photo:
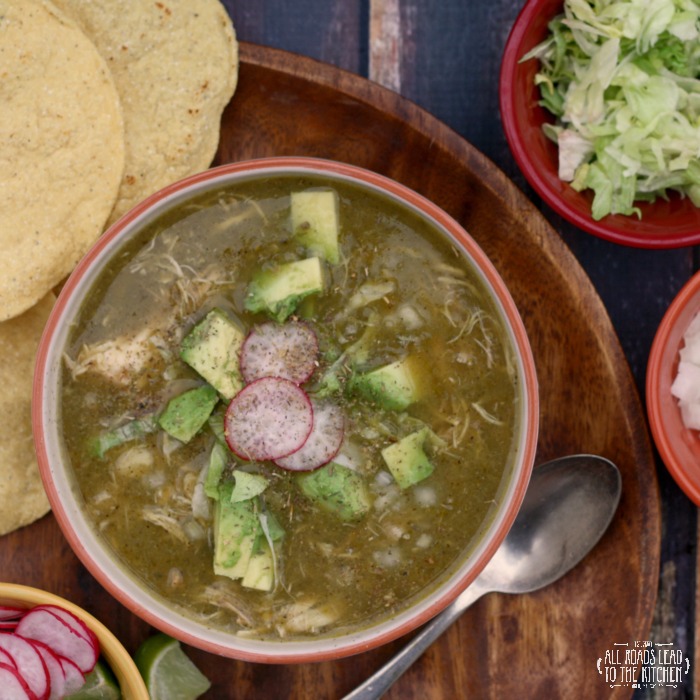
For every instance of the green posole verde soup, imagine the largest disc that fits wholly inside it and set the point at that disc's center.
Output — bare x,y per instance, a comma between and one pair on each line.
291,407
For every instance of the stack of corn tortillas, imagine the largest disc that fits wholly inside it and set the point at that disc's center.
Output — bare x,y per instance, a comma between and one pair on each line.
101,104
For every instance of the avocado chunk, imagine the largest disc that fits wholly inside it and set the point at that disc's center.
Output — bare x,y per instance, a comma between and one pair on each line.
260,573
394,386
218,459
262,566
244,540
212,348
314,215
236,532
187,413
247,485
407,460
278,290
337,489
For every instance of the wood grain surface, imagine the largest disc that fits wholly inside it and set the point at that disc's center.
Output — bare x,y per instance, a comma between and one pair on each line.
536,646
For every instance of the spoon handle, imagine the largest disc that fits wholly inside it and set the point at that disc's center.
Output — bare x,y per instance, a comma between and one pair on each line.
379,682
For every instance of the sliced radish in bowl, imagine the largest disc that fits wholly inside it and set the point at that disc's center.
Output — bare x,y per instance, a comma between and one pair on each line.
14,687
57,676
44,626
74,676
8,612
322,444
268,419
288,350
28,662
73,622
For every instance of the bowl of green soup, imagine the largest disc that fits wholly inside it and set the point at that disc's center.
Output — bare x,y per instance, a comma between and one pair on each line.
285,410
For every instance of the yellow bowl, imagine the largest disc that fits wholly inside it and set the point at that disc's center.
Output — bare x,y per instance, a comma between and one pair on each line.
118,658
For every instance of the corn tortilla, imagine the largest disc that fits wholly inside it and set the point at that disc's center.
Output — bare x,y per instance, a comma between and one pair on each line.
175,64
22,496
61,149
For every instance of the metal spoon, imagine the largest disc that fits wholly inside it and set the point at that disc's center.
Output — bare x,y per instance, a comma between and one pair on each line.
568,506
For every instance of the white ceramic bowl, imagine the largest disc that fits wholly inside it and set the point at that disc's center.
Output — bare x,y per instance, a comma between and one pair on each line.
65,497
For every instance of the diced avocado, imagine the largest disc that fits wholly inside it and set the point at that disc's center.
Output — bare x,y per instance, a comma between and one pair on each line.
216,425
271,526
187,413
236,531
278,290
261,568
243,541
407,460
394,386
212,348
315,222
247,486
260,573
218,459
133,430
338,489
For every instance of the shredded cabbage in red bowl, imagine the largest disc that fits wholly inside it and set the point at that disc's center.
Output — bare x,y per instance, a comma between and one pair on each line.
600,107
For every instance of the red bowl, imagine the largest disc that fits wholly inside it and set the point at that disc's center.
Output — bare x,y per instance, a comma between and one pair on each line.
97,555
664,224
678,446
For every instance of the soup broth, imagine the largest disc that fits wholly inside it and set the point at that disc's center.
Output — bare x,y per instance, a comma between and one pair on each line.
333,546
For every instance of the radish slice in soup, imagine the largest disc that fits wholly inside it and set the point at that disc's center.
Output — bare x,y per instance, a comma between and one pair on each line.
286,350
322,444
268,419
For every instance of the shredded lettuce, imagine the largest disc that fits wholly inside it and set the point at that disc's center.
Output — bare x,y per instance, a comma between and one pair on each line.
622,79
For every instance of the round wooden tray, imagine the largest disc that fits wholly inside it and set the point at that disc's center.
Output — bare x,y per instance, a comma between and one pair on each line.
541,645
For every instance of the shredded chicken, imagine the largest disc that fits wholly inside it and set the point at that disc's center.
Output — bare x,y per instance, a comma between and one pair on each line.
307,616
221,595
120,359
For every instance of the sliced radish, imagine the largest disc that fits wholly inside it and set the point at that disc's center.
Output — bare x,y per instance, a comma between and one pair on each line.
6,658
14,687
268,419
57,676
9,612
45,627
8,625
288,350
75,679
322,444
74,622
29,663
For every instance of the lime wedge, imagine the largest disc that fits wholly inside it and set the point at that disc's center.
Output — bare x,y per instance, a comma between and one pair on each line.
168,672
100,684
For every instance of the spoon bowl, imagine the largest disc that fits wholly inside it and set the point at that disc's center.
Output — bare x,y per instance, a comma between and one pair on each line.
567,508
569,504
